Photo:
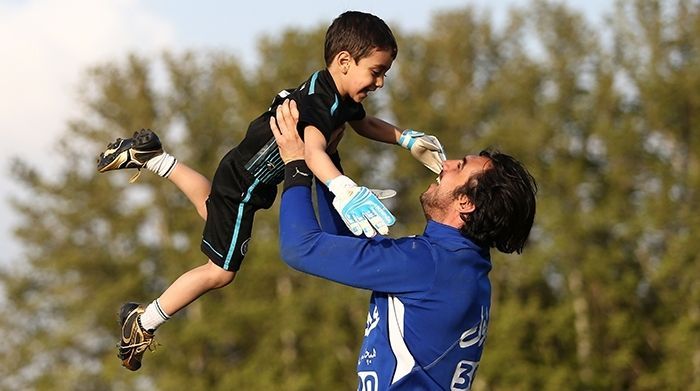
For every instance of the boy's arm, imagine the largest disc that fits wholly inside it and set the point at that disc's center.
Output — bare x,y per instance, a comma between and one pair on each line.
361,210
424,147
377,129
328,217
316,157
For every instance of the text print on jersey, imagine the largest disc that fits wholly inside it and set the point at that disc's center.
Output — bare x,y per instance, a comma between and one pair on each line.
368,381
372,320
465,370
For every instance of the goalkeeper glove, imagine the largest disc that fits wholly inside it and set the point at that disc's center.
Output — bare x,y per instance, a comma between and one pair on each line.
360,208
383,194
426,148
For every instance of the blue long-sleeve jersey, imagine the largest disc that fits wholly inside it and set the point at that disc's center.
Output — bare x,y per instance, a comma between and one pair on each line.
429,310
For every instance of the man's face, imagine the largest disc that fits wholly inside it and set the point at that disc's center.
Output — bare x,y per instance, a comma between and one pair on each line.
367,74
439,198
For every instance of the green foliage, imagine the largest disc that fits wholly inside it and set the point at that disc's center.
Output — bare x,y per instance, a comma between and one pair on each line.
604,298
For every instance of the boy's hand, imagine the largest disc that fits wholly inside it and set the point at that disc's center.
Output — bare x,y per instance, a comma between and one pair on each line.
424,147
359,208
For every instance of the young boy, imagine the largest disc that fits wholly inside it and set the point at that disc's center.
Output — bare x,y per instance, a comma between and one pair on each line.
359,50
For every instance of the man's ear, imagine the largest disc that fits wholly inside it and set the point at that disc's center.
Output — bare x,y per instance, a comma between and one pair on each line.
464,204
343,60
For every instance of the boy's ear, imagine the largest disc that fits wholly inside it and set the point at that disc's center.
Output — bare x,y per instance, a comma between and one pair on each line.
343,60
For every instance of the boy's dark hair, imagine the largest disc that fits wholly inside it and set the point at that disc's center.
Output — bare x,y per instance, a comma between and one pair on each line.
358,33
504,200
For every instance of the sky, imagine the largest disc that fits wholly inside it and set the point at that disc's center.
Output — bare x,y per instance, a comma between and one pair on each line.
47,46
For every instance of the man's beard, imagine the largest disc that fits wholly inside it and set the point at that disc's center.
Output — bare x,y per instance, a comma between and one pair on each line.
433,204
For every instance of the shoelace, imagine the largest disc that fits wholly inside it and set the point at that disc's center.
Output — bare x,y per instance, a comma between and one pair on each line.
151,345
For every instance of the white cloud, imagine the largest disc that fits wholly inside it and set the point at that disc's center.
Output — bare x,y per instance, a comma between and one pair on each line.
46,46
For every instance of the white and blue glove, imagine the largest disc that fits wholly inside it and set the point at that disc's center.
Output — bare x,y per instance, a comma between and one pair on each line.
360,208
425,148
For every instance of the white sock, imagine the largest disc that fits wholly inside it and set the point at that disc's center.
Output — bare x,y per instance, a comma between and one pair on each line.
153,317
162,164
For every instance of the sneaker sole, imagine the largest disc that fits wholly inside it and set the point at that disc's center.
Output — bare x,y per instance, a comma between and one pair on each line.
124,312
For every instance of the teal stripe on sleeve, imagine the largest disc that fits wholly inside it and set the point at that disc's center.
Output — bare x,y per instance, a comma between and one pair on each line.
312,86
335,105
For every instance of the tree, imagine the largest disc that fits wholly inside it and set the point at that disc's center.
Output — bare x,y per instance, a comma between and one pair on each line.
664,71
603,298
95,242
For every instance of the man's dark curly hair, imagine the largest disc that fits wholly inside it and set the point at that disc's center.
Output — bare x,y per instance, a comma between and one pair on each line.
504,200
358,33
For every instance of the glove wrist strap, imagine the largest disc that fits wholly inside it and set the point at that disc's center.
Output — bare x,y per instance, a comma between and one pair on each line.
407,140
339,183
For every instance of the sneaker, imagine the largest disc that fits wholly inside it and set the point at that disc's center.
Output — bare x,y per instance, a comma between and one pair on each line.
132,152
134,340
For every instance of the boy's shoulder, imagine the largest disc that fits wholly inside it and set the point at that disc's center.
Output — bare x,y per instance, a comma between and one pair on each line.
320,82
319,90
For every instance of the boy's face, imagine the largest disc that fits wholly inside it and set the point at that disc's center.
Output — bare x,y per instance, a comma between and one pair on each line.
367,74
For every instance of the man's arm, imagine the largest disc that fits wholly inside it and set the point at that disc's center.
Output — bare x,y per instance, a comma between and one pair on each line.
383,265
386,265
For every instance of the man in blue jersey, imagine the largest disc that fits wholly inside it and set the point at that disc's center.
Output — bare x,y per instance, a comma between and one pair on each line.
429,311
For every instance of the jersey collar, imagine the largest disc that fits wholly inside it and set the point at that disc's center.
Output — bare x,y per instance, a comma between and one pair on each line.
451,238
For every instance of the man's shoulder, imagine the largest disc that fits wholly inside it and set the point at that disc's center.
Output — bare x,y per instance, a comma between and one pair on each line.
414,242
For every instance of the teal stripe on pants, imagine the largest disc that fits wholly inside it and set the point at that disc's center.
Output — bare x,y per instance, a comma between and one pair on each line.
232,247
